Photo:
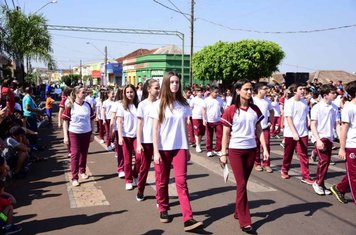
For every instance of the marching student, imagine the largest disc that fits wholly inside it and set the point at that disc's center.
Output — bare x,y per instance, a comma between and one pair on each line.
127,127
347,149
213,108
113,127
144,148
276,121
241,124
78,122
296,112
197,105
266,108
105,115
98,107
188,96
324,118
170,147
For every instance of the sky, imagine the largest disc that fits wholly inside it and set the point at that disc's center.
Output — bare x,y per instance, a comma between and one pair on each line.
214,20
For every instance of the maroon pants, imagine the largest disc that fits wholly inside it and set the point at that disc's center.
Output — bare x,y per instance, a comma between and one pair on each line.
301,146
101,129
199,128
107,130
145,162
267,135
129,147
241,161
68,145
191,131
274,130
212,127
79,152
323,161
119,153
349,181
179,160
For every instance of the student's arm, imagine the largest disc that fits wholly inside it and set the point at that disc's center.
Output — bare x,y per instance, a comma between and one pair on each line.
103,111
119,129
224,143
112,122
60,112
203,112
186,136
155,137
344,128
139,147
271,115
292,127
313,127
261,136
65,132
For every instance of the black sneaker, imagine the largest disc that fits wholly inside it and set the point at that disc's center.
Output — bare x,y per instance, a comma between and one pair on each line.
339,196
11,229
140,197
192,224
248,229
164,217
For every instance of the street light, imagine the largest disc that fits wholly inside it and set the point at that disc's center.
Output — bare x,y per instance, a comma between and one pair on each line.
105,61
54,1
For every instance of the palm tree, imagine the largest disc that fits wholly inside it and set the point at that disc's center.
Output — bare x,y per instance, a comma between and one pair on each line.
26,36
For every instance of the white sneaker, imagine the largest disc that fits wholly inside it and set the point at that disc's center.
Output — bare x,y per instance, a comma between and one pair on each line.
217,153
318,189
102,141
198,149
135,182
75,183
84,176
109,148
128,186
327,191
209,154
121,174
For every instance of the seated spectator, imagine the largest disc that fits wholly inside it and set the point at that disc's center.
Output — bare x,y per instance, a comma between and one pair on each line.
15,152
6,208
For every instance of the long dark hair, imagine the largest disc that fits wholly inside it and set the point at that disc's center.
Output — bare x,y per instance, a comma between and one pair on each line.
125,101
236,97
167,97
148,83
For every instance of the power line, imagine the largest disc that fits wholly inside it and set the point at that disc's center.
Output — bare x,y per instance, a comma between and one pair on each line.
179,10
259,31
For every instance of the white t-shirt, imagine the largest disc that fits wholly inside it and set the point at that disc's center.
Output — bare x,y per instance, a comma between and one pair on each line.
228,100
90,100
139,95
129,125
265,106
276,108
143,110
326,116
114,109
213,109
243,126
337,101
172,132
348,115
79,117
197,104
98,107
107,104
298,111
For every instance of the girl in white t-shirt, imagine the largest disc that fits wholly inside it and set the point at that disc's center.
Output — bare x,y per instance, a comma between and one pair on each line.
170,146
127,127
105,115
347,149
78,122
98,108
144,148
113,129
197,105
241,125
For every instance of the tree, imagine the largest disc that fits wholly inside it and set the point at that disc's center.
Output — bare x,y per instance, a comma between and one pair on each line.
71,79
26,36
236,60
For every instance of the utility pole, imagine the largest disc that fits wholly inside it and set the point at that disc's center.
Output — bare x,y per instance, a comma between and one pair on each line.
191,43
105,82
80,70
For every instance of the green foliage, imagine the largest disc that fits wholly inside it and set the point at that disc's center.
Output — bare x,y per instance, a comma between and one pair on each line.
31,78
236,60
71,79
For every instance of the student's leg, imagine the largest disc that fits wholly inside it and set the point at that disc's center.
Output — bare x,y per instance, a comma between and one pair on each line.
218,135
145,166
127,149
22,157
162,171
84,147
119,153
351,170
302,151
9,212
209,137
107,130
267,135
75,154
180,176
323,162
288,154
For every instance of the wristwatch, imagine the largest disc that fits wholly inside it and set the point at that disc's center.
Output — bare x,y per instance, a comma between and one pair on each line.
224,154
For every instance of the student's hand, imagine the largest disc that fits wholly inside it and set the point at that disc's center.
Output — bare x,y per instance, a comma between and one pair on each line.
296,137
59,125
121,141
188,155
188,121
265,155
91,138
342,153
204,122
157,158
139,148
320,145
65,141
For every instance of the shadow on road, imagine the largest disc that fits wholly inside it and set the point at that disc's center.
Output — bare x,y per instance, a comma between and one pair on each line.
53,224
